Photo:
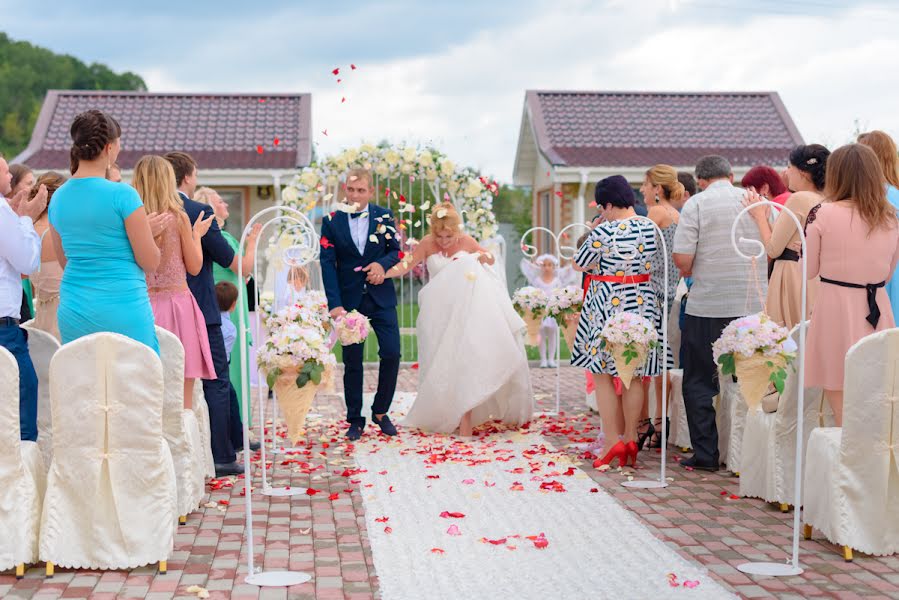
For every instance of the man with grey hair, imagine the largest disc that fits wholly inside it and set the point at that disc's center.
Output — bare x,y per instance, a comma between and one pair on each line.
725,287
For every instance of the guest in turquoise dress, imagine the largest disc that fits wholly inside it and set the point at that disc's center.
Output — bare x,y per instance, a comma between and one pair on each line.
885,149
104,240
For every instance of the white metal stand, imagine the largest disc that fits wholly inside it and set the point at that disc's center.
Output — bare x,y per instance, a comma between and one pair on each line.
531,252
307,250
792,567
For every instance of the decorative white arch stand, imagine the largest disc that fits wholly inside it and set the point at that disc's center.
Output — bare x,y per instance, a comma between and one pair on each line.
792,567
531,251
303,253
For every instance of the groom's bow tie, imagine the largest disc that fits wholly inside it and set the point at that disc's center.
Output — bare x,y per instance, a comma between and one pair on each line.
355,215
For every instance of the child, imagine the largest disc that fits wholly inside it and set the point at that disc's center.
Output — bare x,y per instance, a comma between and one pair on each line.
297,279
542,274
226,294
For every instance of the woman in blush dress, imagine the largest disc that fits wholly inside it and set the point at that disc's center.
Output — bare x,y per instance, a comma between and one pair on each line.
853,244
47,278
174,307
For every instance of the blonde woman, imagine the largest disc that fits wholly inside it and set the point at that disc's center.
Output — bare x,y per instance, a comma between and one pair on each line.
174,307
473,366
663,193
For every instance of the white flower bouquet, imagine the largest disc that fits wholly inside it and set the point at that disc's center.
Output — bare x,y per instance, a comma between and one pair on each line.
295,357
628,337
530,304
757,350
564,305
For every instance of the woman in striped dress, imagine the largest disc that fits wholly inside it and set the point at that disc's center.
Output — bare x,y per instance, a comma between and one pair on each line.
620,250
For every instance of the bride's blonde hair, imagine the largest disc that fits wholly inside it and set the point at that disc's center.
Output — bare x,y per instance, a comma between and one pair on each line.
445,217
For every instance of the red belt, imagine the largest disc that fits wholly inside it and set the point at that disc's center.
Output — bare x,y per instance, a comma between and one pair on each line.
625,279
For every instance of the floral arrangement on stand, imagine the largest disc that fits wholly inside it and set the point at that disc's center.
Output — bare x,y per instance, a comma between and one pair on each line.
628,337
757,350
352,328
564,305
296,358
472,193
530,303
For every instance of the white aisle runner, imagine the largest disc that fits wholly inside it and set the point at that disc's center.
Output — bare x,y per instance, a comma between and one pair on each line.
594,548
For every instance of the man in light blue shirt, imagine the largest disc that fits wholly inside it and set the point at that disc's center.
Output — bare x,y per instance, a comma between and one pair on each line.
20,254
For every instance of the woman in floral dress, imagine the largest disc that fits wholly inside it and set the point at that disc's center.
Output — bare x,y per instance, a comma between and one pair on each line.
620,250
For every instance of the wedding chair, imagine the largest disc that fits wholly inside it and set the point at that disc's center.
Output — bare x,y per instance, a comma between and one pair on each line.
182,432
679,430
769,440
42,346
851,484
111,493
203,452
730,416
22,478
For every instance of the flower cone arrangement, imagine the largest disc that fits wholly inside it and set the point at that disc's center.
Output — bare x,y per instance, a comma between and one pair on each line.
294,402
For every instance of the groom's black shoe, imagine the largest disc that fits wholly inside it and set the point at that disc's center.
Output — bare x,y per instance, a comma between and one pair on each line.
354,433
225,469
692,463
384,423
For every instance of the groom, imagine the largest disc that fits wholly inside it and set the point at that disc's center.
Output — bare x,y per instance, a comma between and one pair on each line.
357,249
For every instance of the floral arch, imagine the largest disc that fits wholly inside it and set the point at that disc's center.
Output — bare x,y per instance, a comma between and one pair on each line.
407,180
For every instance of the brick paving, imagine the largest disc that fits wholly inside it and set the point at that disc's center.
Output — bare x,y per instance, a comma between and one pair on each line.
327,538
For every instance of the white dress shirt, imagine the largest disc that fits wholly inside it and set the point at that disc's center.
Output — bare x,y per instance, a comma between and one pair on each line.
359,229
20,254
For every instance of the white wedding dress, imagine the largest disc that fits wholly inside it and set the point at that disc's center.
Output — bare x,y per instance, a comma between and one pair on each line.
470,349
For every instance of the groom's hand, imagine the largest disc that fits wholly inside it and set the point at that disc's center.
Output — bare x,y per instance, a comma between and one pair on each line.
338,312
375,273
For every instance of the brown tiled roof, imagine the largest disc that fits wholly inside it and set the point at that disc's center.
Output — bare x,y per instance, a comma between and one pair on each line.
221,131
637,129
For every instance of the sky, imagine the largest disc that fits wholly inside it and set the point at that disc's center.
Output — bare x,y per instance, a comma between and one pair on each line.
454,74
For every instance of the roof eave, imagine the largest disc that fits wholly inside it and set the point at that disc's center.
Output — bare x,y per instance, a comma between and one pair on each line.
40,128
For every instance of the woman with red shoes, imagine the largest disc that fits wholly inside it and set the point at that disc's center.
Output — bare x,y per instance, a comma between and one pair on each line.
619,253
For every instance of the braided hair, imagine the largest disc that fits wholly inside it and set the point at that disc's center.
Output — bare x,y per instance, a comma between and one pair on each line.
91,132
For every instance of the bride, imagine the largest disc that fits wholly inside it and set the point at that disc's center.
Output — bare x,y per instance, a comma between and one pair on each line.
473,366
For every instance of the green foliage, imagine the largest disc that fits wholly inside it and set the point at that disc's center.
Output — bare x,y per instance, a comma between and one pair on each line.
778,377
311,371
27,72
514,205
271,377
728,364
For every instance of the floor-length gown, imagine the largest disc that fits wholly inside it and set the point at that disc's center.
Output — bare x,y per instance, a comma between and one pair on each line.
470,349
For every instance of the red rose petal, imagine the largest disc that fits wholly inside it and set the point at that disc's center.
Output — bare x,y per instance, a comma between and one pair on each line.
335,71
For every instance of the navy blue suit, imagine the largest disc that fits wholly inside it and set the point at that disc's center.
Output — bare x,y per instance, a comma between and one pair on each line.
347,287
226,428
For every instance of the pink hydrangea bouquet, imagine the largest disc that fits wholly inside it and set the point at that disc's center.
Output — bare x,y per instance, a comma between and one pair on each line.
352,328
757,350
530,304
628,337
564,305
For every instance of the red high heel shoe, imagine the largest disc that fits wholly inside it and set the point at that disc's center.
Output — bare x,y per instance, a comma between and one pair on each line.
631,448
619,451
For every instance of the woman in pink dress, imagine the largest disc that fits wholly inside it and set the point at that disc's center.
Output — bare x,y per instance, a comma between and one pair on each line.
174,307
853,244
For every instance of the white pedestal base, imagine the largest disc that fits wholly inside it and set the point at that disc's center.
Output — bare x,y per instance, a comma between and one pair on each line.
644,484
770,569
278,578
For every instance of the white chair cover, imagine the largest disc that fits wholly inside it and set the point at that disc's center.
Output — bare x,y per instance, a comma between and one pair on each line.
203,452
111,494
42,346
851,481
679,431
21,476
182,432
674,333
769,440
730,416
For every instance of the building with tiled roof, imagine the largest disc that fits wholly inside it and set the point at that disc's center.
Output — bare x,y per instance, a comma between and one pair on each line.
244,144
570,139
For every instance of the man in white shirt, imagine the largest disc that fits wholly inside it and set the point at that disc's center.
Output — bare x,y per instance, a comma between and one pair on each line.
20,254
724,288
